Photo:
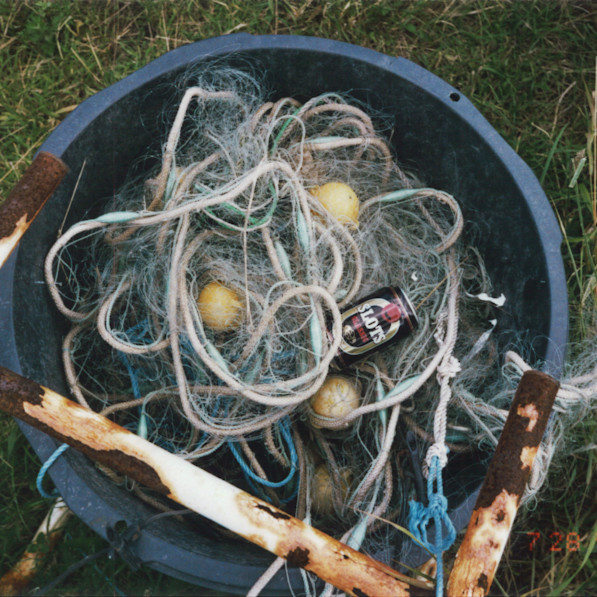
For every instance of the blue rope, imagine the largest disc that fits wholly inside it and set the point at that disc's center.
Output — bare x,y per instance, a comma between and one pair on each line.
44,469
141,428
437,510
142,328
257,490
251,476
291,496
132,374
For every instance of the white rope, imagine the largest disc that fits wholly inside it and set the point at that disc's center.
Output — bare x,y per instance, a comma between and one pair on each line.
448,367
447,370
266,577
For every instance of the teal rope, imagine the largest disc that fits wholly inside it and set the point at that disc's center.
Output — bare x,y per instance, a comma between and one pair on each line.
437,510
44,469
250,475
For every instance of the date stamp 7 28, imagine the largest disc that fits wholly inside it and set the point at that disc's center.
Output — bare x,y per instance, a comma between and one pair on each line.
557,541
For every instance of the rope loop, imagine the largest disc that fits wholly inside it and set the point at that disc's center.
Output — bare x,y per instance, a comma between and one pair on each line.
44,469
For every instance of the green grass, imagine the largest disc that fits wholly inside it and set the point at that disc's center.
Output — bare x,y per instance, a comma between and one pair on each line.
528,66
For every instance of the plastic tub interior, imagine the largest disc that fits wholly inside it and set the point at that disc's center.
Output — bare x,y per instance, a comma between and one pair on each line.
437,132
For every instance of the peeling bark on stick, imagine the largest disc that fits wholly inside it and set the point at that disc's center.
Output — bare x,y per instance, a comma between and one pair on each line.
488,530
16,580
25,201
251,518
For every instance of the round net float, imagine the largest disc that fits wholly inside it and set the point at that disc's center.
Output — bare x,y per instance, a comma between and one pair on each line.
339,200
336,398
323,489
220,307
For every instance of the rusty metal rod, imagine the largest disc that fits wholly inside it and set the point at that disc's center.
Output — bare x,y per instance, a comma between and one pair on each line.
496,506
251,518
25,201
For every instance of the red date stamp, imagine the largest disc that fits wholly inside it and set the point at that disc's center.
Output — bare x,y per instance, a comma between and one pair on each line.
557,541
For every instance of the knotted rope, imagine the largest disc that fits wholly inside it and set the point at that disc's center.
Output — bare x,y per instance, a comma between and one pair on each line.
437,454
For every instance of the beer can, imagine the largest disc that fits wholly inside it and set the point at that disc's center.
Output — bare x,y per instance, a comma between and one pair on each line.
373,323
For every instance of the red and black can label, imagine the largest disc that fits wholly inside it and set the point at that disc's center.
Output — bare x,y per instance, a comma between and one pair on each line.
374,322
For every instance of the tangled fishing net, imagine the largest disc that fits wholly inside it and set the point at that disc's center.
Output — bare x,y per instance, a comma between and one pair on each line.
207,307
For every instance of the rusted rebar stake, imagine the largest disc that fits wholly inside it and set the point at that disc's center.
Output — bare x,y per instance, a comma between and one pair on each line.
251,518
492,518
27,198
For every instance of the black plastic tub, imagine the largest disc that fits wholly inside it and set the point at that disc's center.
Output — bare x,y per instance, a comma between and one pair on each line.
437,132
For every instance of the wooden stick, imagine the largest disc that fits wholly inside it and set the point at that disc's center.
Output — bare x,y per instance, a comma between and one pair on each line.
27,198
16,580
251,518
492,518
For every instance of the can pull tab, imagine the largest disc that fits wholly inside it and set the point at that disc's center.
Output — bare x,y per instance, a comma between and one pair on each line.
415,460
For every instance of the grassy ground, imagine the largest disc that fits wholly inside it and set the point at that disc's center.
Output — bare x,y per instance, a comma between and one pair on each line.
528,66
